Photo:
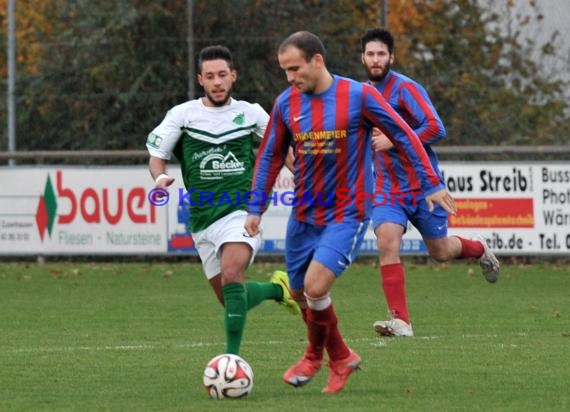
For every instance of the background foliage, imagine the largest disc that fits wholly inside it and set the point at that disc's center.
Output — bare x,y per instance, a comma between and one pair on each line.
101,75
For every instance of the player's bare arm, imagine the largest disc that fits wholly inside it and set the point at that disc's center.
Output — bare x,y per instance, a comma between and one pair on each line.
157,168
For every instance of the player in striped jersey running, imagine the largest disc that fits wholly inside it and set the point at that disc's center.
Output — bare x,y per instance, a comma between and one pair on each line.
328,120
396,180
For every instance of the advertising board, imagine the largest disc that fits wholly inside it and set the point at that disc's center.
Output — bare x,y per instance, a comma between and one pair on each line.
522,208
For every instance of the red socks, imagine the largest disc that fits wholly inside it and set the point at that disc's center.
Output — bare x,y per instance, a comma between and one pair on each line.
323,331
394,286
470,248
394,279
312,351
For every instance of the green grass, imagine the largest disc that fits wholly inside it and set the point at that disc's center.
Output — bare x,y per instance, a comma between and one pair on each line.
136,337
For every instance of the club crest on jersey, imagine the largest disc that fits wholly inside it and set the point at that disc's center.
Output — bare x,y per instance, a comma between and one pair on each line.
239,119
216,166
154,140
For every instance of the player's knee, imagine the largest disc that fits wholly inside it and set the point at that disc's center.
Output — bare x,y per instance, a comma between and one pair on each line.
388,253
315,292
388,246
232,275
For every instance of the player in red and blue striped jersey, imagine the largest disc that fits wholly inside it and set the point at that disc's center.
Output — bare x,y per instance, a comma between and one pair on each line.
395,179
327,120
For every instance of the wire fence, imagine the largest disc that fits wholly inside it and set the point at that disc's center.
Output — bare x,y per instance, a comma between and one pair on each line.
101,77
102,157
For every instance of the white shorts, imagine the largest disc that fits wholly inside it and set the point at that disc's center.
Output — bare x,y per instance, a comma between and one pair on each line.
230,228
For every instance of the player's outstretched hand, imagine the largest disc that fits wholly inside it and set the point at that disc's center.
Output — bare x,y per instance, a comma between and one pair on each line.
162,185
252,224
164,181
442,198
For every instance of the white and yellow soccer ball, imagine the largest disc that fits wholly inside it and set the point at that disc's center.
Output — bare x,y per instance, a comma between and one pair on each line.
228,376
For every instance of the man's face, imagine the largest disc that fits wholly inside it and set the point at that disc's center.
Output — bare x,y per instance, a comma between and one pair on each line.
217,80
300,73
377,60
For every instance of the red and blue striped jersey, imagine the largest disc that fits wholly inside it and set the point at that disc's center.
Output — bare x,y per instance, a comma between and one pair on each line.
331,137
394,173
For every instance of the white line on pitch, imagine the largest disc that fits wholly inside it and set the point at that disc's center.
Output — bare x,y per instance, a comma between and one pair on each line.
376,341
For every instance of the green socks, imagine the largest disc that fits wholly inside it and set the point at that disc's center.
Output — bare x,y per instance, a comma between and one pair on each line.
257,292
238,299
235,312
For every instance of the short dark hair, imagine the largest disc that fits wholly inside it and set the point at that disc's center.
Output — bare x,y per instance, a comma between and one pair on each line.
305,41
216,52
382,35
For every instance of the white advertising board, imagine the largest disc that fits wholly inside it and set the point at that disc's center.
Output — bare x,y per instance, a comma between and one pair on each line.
79,211
522,208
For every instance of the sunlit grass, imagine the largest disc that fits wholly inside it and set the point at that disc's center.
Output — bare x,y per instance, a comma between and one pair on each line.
136,337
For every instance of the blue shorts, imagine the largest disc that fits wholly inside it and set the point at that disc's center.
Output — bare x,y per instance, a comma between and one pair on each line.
334,246
414,208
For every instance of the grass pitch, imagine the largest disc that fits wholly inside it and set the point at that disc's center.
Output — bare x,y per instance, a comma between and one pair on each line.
136,337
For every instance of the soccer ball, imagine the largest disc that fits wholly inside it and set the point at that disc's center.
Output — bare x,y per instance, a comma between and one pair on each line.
228,376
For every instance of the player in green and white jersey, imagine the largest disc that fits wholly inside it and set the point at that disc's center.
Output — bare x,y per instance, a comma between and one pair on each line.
213,137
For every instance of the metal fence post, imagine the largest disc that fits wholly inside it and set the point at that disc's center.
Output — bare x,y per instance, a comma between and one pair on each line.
11,50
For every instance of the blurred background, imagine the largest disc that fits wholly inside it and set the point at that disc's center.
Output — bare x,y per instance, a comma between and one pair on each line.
100,75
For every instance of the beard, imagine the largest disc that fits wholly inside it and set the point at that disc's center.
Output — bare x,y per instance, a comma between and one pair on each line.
220,102
377,76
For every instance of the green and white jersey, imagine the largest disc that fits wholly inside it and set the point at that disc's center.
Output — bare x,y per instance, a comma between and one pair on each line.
214,146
